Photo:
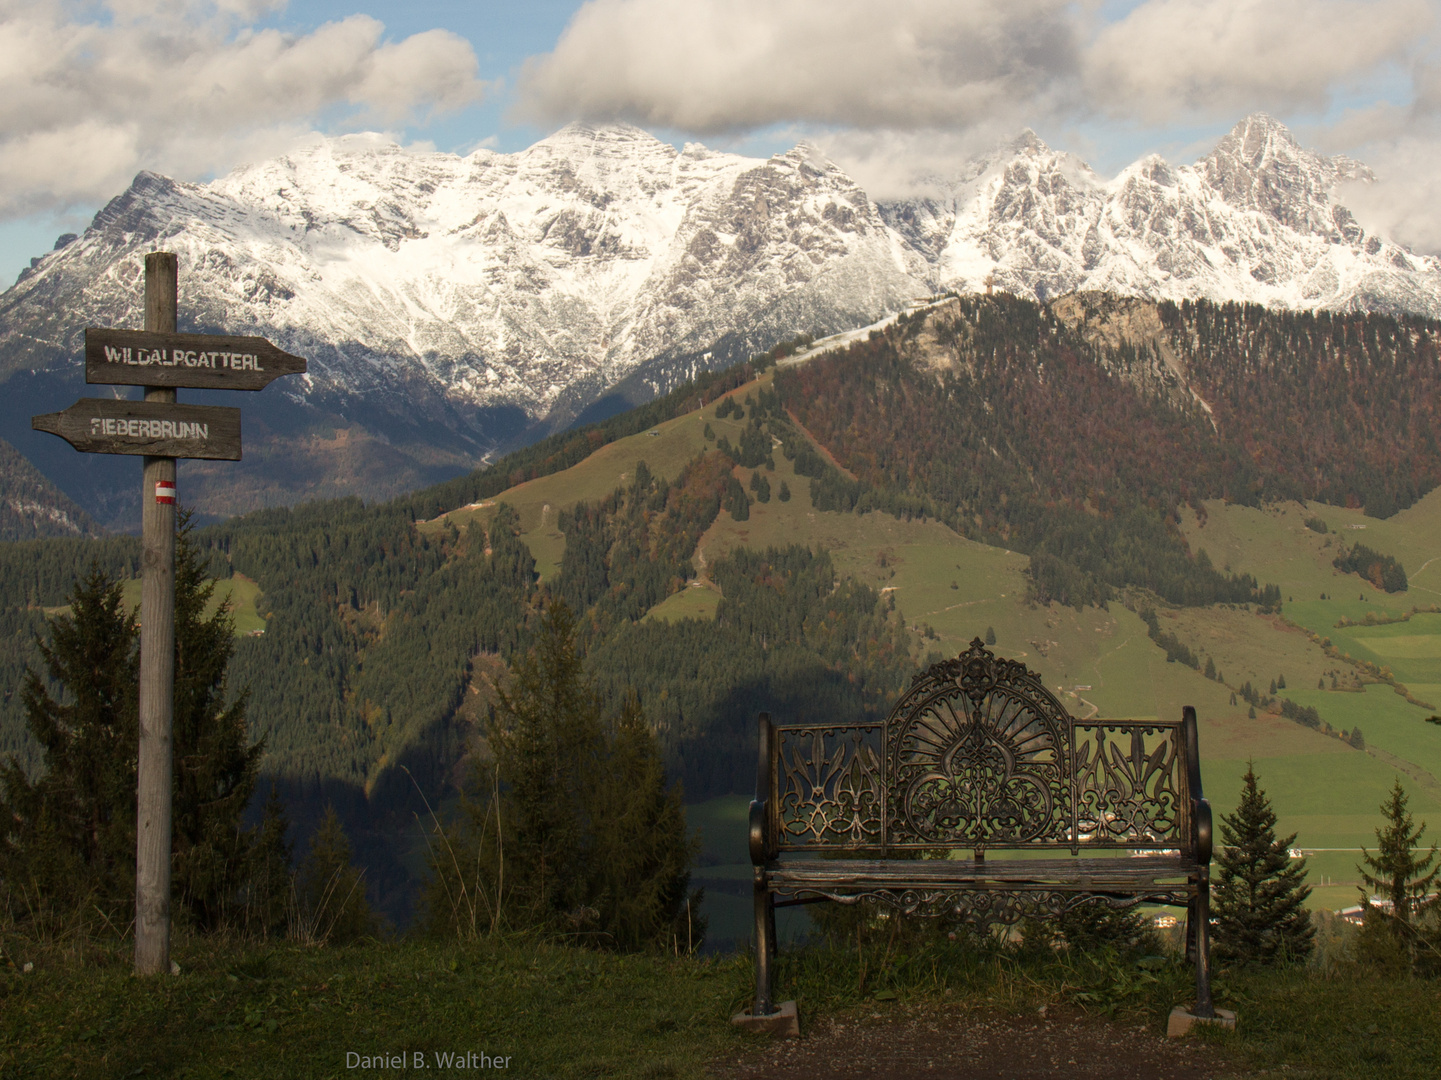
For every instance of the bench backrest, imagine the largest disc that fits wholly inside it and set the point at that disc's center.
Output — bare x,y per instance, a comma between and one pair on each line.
978,754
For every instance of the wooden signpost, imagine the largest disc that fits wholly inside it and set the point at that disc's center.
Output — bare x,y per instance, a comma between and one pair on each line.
112,426
202,361
160,430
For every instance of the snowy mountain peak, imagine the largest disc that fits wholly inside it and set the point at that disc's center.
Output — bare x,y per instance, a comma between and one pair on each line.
1028,142
458,301
1259,166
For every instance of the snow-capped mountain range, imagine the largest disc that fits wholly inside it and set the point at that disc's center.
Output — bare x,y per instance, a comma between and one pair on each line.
450,305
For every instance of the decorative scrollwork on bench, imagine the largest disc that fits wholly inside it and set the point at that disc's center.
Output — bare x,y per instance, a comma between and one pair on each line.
986,907
1128,784
828,790
978,753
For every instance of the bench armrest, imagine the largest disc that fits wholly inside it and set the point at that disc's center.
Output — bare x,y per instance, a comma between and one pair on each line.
761,847
1200,808
1201,816
757,833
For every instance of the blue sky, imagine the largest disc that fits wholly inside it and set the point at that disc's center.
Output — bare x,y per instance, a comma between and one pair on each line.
892,89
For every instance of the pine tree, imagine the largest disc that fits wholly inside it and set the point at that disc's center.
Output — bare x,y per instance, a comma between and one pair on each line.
548,739
644,855
73,830
263,904
330,890
589,840
215,763
1259,890
1395,873
69,838
990,635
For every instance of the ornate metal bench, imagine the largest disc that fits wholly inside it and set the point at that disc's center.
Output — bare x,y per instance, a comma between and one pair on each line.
978,756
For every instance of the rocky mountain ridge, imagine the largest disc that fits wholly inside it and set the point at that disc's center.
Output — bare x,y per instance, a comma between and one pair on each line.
452,305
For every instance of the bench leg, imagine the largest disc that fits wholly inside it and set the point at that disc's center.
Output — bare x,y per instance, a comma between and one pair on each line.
1191,931
1202,942
771,925
765,914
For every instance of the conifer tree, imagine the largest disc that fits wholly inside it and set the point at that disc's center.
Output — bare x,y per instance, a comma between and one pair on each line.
215,763
69,836
588,838
1395,873
330,890
644,855
264,902
71,833
1259,890
548,740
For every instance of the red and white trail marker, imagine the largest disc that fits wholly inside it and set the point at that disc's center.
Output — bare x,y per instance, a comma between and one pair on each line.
165,492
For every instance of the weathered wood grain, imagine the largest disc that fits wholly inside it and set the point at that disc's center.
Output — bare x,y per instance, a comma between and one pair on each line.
202,361
108,426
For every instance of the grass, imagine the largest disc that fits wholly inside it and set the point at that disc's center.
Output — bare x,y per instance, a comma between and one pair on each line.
279,1010
665,449
288,1011
239,591
699,601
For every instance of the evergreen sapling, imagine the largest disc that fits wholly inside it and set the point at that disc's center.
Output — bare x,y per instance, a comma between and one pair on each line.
1403,881
1259,889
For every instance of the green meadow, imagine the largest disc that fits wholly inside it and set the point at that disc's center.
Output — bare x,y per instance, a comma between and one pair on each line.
239,592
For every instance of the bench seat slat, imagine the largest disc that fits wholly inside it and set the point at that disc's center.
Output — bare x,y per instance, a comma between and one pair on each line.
1070,873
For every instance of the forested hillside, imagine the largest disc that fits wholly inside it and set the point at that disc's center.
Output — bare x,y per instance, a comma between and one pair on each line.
1019,427
1015,426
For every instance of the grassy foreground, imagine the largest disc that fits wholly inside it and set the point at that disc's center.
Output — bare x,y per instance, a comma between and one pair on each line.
553,1011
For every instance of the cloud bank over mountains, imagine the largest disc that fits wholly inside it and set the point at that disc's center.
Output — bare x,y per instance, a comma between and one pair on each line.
900,92
897,91
727,65
91,95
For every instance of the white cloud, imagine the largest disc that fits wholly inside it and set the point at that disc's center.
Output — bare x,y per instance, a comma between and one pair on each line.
1403,202
907,164
718,66
713,66
190,88
1168,60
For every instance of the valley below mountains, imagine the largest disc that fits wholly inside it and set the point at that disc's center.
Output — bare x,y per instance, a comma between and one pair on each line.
453,308
1151,504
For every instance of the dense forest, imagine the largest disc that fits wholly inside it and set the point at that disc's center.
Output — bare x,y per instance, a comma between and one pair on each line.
989,413
1009,424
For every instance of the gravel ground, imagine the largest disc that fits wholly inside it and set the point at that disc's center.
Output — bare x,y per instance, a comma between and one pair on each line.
971,1045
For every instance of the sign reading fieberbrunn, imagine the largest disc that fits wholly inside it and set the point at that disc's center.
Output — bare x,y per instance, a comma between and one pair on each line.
204,361
159,429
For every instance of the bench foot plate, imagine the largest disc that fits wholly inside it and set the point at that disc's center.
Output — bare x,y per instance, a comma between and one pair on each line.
1181,1021
785,1021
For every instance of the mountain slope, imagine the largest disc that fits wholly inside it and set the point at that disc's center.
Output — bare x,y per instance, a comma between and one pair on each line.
452,307
31,507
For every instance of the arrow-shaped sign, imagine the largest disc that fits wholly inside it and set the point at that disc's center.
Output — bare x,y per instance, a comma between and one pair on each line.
204,361
159,429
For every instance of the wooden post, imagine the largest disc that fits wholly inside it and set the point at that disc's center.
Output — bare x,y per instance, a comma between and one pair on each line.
157,659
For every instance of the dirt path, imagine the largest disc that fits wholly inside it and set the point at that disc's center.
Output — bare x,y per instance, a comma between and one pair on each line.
972,1045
